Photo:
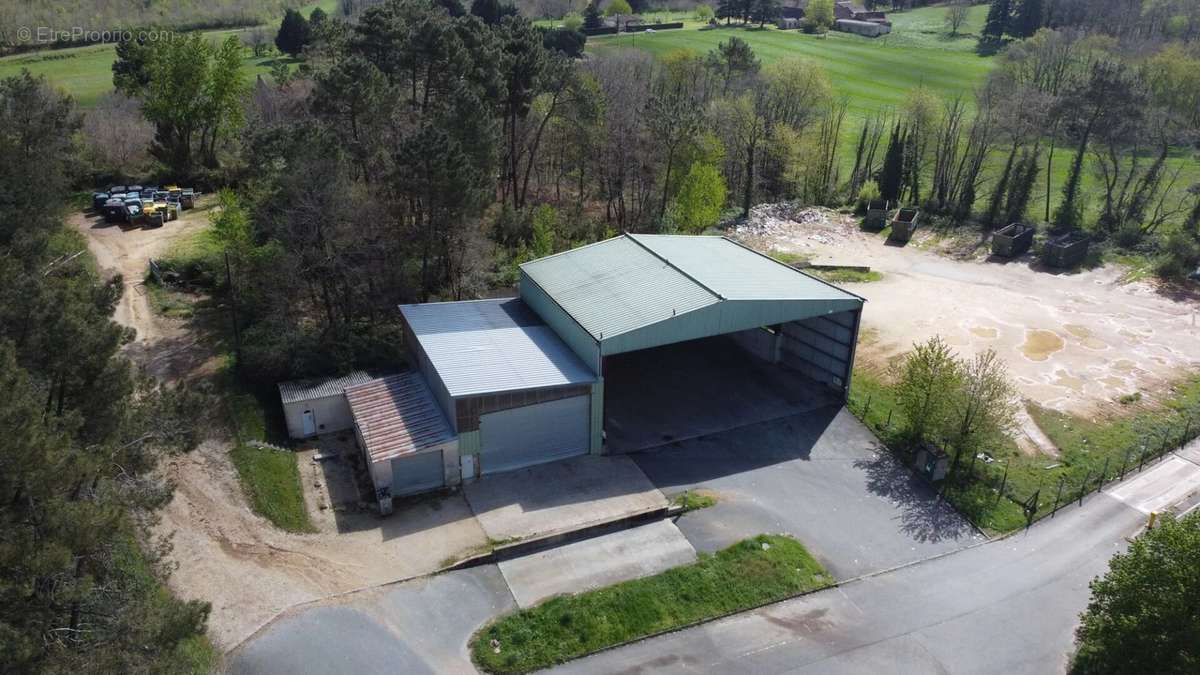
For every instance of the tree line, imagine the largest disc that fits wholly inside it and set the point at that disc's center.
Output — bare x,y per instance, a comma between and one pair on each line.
426,149
80,572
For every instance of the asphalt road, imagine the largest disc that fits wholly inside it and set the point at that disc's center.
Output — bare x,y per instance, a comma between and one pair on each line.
1004,607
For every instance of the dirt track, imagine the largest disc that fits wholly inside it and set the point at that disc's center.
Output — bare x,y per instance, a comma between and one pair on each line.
225,553
1074,342
163,346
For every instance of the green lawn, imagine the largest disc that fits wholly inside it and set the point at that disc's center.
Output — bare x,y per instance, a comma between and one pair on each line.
874,74
748,574
86,72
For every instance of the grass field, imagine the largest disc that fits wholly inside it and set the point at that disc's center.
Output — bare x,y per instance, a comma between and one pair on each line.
874,74
748,574
86,72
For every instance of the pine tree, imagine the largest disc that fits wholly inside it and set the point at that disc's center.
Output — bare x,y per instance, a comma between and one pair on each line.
728,9
997,21
591,16
891,175
1029,18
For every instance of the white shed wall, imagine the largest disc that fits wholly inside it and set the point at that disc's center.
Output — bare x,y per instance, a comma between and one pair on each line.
332,414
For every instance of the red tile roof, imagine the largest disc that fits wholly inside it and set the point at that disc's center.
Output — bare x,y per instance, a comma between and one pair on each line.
397,415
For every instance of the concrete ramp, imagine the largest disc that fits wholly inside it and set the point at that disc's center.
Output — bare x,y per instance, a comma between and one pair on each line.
1158,488
597,562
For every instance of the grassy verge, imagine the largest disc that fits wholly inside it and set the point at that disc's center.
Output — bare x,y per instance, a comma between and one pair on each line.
750,573
169,303
272,481
846,275
692,500
992,491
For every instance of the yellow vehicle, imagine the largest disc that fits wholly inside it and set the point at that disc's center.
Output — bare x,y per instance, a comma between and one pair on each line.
159,211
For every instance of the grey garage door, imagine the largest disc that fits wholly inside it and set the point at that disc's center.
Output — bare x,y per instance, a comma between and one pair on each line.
415,473
511,439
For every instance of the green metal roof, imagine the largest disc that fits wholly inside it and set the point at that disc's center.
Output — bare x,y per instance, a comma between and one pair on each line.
624,285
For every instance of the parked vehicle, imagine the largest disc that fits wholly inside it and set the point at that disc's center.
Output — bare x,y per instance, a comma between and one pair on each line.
113,210
98,200
134,188
131,211
116,189
188,199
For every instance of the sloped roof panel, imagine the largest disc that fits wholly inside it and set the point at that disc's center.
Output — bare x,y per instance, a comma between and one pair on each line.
735,272
397,415
310,390
489,346
617,285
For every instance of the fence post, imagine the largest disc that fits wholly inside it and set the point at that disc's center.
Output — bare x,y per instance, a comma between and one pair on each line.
867,409
1103,474
889,422
1124,462
1058,496
1187,431
1083,486
1142,460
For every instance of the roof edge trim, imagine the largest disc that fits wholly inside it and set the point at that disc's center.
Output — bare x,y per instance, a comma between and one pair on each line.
673,266
794,269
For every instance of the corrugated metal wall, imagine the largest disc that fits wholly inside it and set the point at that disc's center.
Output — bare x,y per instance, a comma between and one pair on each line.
431,375
568,330
822,348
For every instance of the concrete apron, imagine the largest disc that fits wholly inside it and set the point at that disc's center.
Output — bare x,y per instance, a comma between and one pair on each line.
596,562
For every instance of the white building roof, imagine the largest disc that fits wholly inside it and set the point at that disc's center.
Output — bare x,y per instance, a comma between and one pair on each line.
313,389
488,346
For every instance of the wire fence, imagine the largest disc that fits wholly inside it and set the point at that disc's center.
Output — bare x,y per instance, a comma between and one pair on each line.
1065,483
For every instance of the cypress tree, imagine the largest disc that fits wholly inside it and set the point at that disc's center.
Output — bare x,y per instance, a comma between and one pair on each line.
1029,18
591,16
891,174
294,33
1021,188
996,203
998,17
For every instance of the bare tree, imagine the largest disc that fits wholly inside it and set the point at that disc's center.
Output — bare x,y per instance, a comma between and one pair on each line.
117,136
956,16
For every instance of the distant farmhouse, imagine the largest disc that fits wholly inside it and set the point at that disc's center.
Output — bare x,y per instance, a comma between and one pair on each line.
848,17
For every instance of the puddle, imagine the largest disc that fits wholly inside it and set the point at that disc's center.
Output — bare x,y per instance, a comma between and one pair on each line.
985,332
1040,344
1065,379
1081,332
1124,365
1113,382
1085,336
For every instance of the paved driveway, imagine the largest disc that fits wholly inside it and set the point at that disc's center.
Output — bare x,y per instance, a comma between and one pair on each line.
415,627
817,476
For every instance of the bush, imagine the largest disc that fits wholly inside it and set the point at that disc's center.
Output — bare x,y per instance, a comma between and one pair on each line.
868,193
1181,256
704,13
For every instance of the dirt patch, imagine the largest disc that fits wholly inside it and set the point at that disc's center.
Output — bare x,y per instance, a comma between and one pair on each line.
223,552
163,347
1108,336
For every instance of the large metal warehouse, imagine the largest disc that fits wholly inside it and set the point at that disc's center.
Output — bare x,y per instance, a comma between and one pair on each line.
618,346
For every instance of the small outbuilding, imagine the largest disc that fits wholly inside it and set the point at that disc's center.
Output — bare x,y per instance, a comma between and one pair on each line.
864,28
318,406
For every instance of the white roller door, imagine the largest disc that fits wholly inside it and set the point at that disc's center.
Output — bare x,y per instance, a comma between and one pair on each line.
533,434
417,473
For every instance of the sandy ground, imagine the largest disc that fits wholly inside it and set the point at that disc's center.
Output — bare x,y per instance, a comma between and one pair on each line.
1073,342
223,552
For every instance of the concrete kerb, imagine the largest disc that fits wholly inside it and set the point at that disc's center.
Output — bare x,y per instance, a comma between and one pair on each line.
494,555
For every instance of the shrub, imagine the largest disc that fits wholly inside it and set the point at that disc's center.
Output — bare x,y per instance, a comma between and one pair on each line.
704,13
868,193
1180,258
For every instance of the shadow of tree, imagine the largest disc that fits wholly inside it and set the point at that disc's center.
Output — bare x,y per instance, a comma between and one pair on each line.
923,515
